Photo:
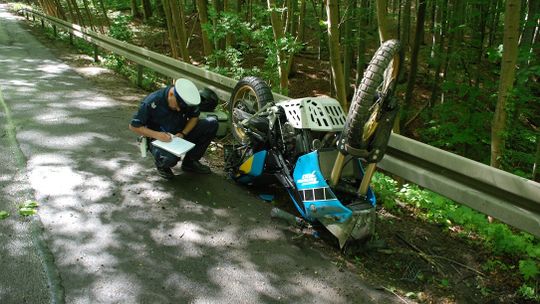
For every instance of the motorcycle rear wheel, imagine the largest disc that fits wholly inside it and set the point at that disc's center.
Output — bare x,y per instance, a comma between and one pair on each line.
371,96
249,95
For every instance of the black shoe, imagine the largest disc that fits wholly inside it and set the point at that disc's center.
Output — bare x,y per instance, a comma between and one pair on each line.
166,173
195,166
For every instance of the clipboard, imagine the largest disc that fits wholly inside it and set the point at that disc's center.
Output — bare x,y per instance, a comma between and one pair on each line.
178,146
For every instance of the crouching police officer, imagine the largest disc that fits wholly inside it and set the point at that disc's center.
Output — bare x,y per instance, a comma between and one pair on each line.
175,110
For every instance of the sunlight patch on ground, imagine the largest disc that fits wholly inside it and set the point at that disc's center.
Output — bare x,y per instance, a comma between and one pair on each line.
96,188
232,283
53,68
76,141
21,83
119,288
55,179
92,71
265,233
16,247
314,287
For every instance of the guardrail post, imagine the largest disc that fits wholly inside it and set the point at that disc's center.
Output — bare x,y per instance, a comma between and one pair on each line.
140,70
96,54
33,17
27,15
71,38
42,23
54,30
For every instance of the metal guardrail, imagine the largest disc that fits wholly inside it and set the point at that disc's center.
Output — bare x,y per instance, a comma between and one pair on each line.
509,198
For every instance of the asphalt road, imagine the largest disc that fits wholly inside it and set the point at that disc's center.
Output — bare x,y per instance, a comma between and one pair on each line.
108,230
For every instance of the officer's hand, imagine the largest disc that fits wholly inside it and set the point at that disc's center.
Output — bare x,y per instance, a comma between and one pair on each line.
180,134
163,136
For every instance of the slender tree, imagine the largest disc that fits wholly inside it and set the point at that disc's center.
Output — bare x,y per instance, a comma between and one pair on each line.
135,12
420,17
202,8
277,28
147,9
177,13
383,20
506,82
171,30
335,55
349,44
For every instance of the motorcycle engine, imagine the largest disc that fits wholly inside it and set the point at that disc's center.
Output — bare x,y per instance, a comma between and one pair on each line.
288,134
295,142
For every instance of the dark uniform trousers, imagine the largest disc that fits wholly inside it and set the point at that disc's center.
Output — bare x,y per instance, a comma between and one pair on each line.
201,136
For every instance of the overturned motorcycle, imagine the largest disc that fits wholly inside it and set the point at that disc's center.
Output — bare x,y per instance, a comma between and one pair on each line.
313,150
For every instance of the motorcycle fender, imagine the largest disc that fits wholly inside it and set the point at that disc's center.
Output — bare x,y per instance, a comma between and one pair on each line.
252,167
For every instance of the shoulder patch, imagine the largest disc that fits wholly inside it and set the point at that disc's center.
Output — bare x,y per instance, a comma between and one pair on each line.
153,105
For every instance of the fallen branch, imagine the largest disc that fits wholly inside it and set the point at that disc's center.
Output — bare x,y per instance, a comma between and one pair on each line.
415,115
458,263
423,255
399,297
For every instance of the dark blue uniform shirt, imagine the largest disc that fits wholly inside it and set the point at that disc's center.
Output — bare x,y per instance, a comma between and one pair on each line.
154,113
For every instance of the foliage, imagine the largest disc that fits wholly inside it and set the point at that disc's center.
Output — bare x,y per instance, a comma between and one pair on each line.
462,124
3,214
28,208
254,39
235,60
497,237
120,28
386,189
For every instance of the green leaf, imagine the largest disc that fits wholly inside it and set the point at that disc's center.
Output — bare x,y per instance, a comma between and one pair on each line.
528,269
411,295
31,204
27,211
445,282
3,214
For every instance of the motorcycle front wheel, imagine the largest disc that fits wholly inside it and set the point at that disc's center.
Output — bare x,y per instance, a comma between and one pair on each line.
248,96
371,98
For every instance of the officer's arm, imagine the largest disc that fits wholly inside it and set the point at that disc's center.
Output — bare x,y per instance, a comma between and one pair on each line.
191,123
144,131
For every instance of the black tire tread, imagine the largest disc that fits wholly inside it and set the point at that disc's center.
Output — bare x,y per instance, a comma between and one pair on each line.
262,92
364,96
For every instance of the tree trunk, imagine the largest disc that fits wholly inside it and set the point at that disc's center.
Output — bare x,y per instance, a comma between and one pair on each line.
382,20
405,34
494,24
71,12
438,51
101,28
277,28
301,21
170,28
88,15
332,12
420,17
349,44
160,12
536,167
78,12
104,12
135,13
363,23
506,82
219,44
531,26
147,9
177,13
202,8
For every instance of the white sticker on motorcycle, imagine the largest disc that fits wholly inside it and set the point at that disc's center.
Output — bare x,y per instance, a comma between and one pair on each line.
308,179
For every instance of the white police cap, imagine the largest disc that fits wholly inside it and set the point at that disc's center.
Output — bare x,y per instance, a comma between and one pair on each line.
187,91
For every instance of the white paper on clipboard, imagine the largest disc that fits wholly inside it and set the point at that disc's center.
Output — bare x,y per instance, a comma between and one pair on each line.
177,146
